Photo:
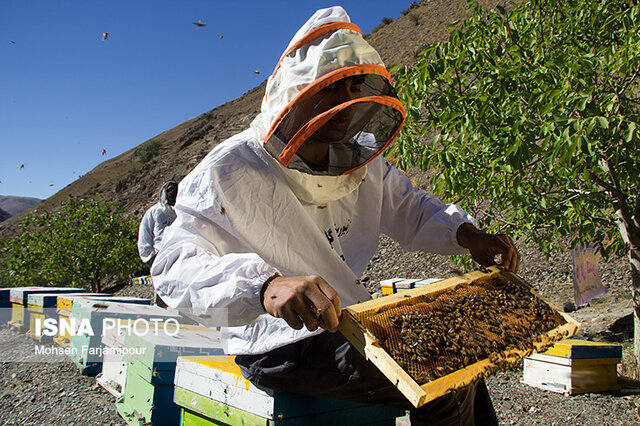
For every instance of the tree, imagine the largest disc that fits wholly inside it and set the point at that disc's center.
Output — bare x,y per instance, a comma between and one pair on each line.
536,108
84,244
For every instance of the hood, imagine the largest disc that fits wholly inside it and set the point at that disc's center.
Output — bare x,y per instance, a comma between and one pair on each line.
329,106
166,204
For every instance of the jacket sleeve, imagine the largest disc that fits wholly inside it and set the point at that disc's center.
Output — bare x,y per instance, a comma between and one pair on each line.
417,220
145,236
189,272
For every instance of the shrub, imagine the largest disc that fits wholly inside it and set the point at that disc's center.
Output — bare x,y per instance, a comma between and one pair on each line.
85,244
148,150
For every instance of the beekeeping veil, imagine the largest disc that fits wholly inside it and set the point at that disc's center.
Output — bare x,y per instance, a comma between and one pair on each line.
329,107
168,195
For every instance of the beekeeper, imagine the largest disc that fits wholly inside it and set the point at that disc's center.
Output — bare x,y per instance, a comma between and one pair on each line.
277,223
155,220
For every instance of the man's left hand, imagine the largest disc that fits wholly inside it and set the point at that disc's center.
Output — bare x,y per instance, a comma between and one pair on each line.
484,247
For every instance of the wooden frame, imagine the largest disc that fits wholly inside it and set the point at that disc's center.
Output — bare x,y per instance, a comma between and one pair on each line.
418,395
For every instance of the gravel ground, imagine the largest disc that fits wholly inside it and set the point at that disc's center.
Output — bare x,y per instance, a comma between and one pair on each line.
56,393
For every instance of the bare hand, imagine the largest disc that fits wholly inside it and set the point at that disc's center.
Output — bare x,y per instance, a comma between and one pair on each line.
303,300
484,247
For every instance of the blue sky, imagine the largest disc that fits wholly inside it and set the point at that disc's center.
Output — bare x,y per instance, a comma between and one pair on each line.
66,94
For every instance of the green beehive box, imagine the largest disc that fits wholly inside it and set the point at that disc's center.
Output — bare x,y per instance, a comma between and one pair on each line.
146,404
150,368
211,390
114,366
86,349
63,309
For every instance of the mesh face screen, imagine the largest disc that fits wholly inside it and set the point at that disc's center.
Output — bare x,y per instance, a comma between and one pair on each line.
433,335
351,135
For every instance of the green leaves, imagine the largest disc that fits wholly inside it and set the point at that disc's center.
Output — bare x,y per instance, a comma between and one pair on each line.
526,105
83,245
603,123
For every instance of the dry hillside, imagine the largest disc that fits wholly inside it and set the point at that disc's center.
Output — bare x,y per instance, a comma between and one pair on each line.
125,179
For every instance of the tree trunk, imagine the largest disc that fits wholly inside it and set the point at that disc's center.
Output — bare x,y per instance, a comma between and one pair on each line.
629,227
634,260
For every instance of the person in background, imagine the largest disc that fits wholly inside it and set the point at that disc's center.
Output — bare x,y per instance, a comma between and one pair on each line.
276,225
153,224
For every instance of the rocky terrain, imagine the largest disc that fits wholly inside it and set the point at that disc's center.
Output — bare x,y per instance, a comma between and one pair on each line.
56,393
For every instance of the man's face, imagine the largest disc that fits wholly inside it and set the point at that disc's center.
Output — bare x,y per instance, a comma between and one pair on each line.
314,149
337,93
171,192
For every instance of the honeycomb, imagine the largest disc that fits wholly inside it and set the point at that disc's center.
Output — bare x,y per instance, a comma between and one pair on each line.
432,335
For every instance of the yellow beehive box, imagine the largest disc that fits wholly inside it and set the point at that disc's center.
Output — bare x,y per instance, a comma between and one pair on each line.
65,301
18,296
574,367
443,336
40,307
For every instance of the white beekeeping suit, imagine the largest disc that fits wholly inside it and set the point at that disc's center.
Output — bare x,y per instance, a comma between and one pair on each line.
154,222
260,203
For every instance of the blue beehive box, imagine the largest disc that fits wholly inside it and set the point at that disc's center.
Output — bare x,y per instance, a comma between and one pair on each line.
19,302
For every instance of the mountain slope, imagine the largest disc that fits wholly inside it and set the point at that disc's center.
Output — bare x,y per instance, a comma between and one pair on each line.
125,179
4,215
14,205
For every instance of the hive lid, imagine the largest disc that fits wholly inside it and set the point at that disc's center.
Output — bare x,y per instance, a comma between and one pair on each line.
47,299
20,294
582,349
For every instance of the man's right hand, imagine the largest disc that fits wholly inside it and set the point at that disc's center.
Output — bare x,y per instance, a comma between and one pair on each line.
303,300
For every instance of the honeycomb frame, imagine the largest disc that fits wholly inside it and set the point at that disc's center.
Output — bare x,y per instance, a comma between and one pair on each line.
363,336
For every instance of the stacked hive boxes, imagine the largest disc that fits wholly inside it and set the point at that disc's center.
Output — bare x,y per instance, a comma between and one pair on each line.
114,366
211,390
150,368
63,309
19,302
5,306
86,348
42,306
574,367
141,280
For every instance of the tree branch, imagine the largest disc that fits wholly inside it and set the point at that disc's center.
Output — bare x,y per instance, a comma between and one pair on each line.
604,184
633,77
636,211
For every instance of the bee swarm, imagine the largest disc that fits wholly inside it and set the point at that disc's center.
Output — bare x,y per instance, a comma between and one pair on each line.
440,334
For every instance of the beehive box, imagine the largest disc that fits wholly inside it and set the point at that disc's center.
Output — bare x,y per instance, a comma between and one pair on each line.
211,390
446,335
42,306
65,304
114,367
574,367
395,285
146,279
63,309
19,302
150,369
5,306
86,349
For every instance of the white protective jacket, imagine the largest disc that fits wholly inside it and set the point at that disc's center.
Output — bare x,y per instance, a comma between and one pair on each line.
242,216
152,227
